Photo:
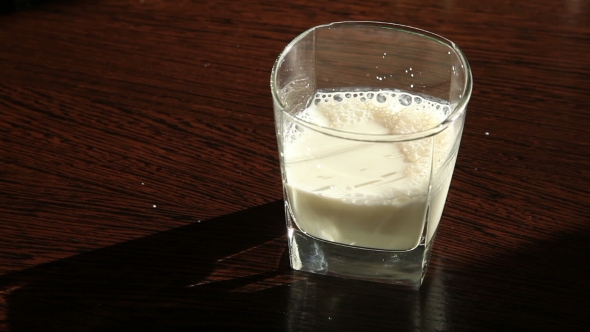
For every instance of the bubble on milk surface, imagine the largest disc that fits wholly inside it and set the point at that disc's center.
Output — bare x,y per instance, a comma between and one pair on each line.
400,112
405,99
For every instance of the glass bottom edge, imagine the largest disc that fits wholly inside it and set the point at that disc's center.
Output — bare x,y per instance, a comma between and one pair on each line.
404,268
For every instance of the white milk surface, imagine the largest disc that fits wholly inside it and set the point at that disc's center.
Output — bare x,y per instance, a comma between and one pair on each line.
367,194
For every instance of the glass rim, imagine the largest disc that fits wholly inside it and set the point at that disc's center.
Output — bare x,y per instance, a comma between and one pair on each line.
453,116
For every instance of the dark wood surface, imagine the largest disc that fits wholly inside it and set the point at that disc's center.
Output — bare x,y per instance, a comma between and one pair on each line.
140,185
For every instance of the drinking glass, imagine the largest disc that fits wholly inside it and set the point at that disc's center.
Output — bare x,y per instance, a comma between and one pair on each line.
369,118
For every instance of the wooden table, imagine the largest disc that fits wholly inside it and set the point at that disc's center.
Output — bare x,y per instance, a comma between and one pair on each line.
140,185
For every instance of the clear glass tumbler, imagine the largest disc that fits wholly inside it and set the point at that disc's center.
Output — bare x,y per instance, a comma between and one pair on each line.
369,119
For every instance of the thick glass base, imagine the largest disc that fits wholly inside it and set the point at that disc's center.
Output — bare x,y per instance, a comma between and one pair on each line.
310,254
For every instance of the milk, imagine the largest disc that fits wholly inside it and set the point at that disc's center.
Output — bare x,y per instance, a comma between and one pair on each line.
368,194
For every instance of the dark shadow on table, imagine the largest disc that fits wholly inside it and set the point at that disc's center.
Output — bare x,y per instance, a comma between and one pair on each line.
150,282
232,272
542,286
9,6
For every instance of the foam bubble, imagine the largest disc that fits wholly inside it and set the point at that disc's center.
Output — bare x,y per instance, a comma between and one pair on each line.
405,99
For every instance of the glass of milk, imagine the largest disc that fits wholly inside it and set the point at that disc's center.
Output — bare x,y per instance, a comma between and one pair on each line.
369,119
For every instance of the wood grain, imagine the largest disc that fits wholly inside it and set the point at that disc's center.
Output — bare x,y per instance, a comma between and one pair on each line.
140,186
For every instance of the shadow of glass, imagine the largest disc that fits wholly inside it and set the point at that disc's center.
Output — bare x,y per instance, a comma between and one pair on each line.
151,280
